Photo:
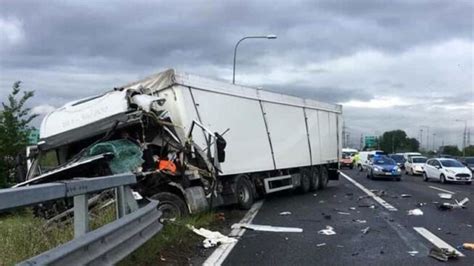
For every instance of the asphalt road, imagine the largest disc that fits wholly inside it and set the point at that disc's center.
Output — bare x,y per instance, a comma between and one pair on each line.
388,241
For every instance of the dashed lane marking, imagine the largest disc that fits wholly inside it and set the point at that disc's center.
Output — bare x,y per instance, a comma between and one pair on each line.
221,253
378,199
436,240
443,190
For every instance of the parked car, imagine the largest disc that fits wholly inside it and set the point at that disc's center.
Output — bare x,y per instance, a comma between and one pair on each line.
365,158
469,162
399,159
447,170
383,167
415,165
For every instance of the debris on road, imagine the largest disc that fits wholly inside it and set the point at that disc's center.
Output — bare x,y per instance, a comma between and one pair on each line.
268,228
321,245
352,208
420,204
379,193
360,221
285,213
365,230
413,253
344,213
415,212
212,238
458,205
326,216
314,195
220,216
328,231
405,195
372,206
445,195
468,246
442,254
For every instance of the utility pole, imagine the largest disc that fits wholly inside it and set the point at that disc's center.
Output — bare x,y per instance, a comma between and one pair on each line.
464,136
434,135
421,138
427,136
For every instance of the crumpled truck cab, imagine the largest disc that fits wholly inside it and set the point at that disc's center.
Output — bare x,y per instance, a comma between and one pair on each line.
127,130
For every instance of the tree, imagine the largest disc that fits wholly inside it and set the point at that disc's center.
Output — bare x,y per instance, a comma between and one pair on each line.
451,150
469,150
14,130
397,141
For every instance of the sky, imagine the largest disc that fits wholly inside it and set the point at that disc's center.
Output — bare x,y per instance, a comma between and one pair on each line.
391,64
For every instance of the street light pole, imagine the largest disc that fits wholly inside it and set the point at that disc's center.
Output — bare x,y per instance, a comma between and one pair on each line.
464,136
269,37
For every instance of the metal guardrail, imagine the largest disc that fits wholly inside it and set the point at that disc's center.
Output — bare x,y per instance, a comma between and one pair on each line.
106,245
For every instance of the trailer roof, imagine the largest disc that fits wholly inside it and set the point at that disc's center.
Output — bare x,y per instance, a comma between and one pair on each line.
170,77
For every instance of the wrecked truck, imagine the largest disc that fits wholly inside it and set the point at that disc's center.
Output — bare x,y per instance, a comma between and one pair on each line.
192,142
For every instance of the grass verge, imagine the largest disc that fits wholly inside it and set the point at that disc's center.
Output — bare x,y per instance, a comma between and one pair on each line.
23,236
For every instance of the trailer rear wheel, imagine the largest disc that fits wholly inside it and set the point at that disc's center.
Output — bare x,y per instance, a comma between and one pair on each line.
171,205
305,180
324,177
315,173
244,193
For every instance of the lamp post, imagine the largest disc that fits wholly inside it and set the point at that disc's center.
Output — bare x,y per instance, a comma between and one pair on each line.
270,37
464,136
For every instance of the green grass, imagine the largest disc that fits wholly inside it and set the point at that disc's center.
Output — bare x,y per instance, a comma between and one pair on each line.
23,236
172,245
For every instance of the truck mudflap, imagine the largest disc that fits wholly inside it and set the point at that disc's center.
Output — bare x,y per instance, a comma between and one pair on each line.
333,172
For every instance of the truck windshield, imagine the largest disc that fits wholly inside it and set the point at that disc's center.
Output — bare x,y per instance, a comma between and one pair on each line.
48,160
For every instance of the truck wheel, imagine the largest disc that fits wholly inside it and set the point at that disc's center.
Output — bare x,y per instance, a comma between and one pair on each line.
244,193
171,205
324,178
305,181
315,173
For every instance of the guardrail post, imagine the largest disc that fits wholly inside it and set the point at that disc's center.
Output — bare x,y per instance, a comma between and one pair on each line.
120,200
81,215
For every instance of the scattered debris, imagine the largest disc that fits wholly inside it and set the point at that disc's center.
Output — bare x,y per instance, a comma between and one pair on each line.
360,221
405,195
362,197
469,225
367,206
421,204
314,195
349,194
413,253
285,213
355,253
365,230
321,245
339,246
445,195
352,208
372,207
468,246
379,193
415,212
458,205
212,238
442,254
328,231
344,213
321,201
268,228
326,216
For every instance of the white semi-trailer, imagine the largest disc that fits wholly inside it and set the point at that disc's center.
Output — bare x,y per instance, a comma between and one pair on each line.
193,142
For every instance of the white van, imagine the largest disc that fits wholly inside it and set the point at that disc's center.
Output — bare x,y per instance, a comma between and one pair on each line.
407,155
364,158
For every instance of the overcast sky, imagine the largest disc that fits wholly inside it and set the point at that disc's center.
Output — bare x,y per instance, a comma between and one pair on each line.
392,64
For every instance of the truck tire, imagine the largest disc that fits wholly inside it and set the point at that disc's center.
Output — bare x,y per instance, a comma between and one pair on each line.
305,181
171,205
315,173
244,193
324,177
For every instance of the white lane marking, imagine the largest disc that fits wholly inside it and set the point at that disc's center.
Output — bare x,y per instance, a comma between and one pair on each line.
221,252
436,240
382,202
444,190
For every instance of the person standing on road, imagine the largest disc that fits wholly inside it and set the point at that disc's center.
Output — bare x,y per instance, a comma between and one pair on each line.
356,159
